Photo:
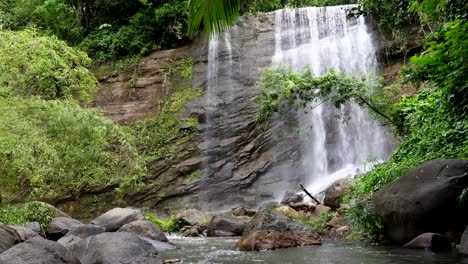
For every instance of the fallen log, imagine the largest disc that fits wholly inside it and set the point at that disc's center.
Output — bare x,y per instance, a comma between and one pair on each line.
310,195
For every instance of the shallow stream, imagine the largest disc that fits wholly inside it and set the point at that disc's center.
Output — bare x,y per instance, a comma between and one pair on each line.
222,250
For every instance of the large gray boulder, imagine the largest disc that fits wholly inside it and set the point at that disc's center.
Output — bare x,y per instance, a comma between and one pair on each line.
192,217
270,230
334,193
38,250
114,248
432,241
23,232
144,228
8,237
227,225
463,248
423,200
117,217
60,226
78,233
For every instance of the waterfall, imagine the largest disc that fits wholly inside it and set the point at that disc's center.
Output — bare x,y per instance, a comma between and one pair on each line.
243,166
324,37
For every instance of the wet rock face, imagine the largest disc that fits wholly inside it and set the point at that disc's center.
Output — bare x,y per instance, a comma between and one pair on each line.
424,200
240,164
269,230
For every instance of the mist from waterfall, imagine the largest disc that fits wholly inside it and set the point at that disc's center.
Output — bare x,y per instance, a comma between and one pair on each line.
323,37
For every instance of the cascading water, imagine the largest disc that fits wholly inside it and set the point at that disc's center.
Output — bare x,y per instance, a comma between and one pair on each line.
243,166
324,37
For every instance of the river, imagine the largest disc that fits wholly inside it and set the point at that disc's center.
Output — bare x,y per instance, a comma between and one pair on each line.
222,251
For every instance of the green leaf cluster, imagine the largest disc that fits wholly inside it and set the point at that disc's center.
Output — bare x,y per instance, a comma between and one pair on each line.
43,66
165,224
26,213
51,150
285,89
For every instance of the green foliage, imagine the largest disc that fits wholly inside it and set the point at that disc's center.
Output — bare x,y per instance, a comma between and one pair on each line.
444,63
285,89
43,66
55,149
194,176
364,222
165,224
158,137
153,27
26,213
320,225
430,130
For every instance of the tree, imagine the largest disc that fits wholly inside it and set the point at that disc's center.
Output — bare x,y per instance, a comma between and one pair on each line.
43,66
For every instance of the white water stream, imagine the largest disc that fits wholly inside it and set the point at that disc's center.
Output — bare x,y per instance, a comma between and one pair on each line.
321,38
324,37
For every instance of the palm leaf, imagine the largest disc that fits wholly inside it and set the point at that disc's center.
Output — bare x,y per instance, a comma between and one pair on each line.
214,15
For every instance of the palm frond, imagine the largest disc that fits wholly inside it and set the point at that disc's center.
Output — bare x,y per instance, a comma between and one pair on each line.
214,15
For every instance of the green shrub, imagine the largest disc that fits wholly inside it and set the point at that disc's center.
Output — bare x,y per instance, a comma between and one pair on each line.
55,149
43,66
25,213
320,225
165,224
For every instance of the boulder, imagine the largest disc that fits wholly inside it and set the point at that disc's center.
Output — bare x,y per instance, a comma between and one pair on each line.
423,200
463,248
38,250
35,226
302,206
144,228
334,193
24,233
118,247
192,217
117,217
432,241
268,205
78,233
8,237
289,212
60,226
270,230
241,211
337,221
319,210
226,225
193,231
294,198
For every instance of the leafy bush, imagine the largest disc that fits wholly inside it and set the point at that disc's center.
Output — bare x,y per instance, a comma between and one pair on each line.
153,27
44,67
430,130
165,224
320,225
51,150
26,213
